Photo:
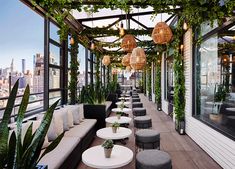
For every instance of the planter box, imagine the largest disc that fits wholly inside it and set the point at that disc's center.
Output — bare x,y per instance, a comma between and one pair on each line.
180,127
113,97
97,112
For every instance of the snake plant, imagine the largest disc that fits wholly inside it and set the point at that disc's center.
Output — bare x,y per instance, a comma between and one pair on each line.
15,153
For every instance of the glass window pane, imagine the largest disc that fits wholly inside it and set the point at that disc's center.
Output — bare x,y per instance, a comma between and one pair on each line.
54,78
54,96
22,48
215,81
53,32
55,56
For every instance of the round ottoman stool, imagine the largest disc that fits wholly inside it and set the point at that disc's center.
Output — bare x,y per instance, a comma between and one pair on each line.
139,111
137,104
142,122
147,139
135,96
153,159
135,99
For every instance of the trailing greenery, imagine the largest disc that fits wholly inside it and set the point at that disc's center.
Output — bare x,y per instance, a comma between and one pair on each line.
158,79
15,154
144,81
97,74
74,66
149,81
194,12
179,78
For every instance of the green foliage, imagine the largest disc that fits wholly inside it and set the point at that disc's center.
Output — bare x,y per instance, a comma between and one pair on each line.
15,154
144,80
116,124
193,12
93,95
179,78
108,144
119,113
74,65
220,94
149,81
158,80
111,87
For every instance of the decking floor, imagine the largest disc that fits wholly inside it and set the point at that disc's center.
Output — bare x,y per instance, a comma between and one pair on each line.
185,153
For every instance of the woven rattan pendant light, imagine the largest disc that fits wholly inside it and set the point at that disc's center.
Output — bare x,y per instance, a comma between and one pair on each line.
106,60
162,33
138,59
126,59
128,43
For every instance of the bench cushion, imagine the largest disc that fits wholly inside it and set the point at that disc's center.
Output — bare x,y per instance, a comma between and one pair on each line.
55,158
81,129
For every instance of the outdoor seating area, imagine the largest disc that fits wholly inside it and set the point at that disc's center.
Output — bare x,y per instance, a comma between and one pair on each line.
126,84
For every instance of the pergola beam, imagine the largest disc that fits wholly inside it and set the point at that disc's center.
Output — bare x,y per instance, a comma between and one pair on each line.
121,16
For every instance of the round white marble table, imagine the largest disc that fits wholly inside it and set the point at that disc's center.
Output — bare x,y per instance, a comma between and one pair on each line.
230,108
124,110
125,103
122,120
94,157
124,98
107,133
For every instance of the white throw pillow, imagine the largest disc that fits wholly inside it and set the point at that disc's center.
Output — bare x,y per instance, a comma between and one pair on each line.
70,118
52,133
58,121
75,112
81,112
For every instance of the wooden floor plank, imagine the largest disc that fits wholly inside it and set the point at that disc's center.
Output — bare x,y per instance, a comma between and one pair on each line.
185,153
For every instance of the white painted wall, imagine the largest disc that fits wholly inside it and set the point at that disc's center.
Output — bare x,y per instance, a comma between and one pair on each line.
219,147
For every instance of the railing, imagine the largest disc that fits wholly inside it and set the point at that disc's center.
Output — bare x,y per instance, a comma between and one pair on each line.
30,111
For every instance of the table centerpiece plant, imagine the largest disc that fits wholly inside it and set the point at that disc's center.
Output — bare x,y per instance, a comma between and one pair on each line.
119,114
115,126
108,147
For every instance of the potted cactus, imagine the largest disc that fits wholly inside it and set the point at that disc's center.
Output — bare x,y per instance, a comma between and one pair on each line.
108,146
115,126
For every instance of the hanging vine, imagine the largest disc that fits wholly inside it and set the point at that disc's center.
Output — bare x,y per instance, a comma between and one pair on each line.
74,65
144,81
158,80
149,81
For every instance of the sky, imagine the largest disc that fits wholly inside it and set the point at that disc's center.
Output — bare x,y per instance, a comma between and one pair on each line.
21,34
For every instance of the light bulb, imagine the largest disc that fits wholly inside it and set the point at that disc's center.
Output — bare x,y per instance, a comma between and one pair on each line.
92,46
121,32
185,26
181,47
71,41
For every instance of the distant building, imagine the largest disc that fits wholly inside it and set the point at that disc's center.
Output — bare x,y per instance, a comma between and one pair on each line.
38,74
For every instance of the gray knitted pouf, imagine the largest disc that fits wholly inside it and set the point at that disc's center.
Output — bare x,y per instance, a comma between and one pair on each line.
139,111
135,99
153,159
142,122
137,104
147,139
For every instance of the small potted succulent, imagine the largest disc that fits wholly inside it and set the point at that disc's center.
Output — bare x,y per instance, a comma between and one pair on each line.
108,146
115,126
119,114
121,106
